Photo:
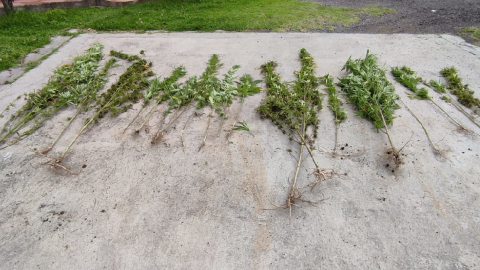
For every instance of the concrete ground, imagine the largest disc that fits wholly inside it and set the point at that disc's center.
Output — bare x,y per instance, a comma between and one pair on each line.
137,206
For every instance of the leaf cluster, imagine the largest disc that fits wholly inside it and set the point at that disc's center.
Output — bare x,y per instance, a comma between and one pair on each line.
160,90
243,126
368,88
219,94
292,108
247,86
124,56
335,104
464,94
127,90
438,86
206,90
408,78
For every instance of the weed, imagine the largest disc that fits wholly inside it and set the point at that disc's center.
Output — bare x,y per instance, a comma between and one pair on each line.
180,99
373,95
294,111
409,79
247,86
217,94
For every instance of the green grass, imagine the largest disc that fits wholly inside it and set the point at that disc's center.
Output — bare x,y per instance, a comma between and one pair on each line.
472,32
24,31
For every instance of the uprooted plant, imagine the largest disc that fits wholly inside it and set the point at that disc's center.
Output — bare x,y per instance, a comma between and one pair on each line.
294,111
373,95
335,105
72,84
409,79
121,95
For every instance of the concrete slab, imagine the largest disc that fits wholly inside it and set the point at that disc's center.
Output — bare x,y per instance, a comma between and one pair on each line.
138,206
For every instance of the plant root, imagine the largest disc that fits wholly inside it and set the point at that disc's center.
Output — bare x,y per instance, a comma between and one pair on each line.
54,165
294,196
320,176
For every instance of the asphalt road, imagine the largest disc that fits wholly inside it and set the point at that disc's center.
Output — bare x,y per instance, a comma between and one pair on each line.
414,16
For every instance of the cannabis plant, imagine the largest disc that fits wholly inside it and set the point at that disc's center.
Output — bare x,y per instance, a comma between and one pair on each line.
372,94
293,109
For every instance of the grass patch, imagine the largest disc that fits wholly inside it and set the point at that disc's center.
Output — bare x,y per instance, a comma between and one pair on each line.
472,32
24,31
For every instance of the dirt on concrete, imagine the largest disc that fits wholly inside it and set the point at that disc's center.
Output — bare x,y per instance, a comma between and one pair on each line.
413,16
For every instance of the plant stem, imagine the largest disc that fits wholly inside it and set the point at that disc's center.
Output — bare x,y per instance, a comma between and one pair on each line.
388,133
460,109
424,128
149,114
84,127
236,120
291,196
222,121
18,125
136,116
159,134
63,130
465,113
206,131
449,116
185,126
336,138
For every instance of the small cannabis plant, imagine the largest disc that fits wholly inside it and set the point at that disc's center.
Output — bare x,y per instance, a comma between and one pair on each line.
373,95
335,105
